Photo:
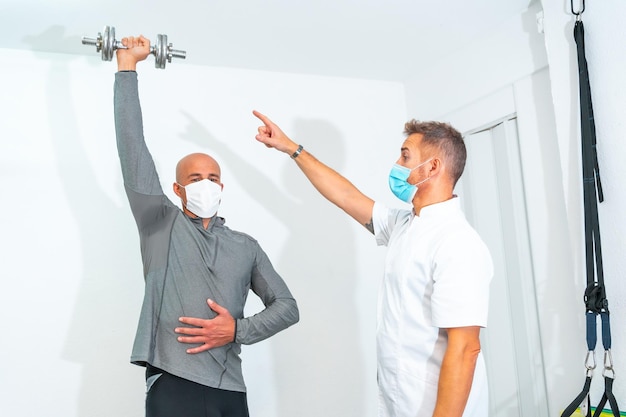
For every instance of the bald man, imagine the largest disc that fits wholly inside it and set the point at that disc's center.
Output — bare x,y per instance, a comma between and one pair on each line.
197,273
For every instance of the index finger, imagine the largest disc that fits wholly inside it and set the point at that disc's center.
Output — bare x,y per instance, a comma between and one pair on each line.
192,321
262,117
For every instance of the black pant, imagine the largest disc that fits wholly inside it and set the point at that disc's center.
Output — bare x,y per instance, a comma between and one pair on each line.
171,396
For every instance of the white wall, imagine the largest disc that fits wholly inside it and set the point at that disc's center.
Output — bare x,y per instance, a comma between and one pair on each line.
516,57
72,284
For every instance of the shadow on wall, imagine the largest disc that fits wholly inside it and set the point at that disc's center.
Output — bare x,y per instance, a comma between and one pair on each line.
100,336
54,39
320,355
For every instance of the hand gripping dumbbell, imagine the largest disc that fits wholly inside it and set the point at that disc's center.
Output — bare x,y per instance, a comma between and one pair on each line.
107,44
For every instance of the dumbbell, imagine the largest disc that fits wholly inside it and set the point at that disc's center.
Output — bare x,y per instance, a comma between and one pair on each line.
107,44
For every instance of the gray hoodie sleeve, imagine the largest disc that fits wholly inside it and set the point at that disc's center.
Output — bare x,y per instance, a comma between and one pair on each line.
140,177
281,310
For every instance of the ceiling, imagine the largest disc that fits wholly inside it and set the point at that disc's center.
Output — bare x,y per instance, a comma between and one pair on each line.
374,39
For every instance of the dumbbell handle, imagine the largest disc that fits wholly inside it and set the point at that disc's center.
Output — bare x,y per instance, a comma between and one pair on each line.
98,43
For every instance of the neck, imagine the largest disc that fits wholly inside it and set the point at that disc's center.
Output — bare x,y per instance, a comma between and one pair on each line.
430,198
205,222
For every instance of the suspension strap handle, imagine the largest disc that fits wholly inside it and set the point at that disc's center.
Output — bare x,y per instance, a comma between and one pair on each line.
608,395
583,397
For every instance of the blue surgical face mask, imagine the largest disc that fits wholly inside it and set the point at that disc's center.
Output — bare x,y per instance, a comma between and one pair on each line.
399,184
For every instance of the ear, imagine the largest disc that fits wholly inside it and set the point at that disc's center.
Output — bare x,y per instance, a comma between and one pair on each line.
436,166
177,189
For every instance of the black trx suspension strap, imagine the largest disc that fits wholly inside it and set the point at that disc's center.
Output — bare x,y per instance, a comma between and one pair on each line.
596,303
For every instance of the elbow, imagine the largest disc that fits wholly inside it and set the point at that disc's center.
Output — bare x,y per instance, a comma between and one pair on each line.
473,346
287,312
464,342
471,351
470,345
294,313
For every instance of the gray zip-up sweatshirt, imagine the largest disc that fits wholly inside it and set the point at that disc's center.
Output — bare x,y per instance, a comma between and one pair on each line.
184,264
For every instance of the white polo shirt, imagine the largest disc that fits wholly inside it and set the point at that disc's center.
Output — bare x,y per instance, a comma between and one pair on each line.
437,276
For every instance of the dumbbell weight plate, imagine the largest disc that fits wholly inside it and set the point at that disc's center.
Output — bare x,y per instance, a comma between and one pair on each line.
108,43
160,51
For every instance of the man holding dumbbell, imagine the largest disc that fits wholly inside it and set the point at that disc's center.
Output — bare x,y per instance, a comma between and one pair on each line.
191,258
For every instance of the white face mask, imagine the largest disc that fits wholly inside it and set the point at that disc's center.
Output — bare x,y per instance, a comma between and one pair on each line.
203,198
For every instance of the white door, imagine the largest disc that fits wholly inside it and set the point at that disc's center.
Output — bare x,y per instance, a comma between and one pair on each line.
492,193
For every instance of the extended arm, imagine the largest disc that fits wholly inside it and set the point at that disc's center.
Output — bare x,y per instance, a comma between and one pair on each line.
334,187
140,177
457,371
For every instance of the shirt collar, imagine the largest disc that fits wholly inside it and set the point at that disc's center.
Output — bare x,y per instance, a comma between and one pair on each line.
214,220
443,208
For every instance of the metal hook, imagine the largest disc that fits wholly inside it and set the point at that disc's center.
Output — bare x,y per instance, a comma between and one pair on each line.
608,365
590,360
578,13
590,363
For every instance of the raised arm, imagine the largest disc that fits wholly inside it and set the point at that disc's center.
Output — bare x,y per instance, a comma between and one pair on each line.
140,177
333,186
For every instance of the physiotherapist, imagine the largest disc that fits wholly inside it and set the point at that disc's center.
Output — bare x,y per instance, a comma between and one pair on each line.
434,296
